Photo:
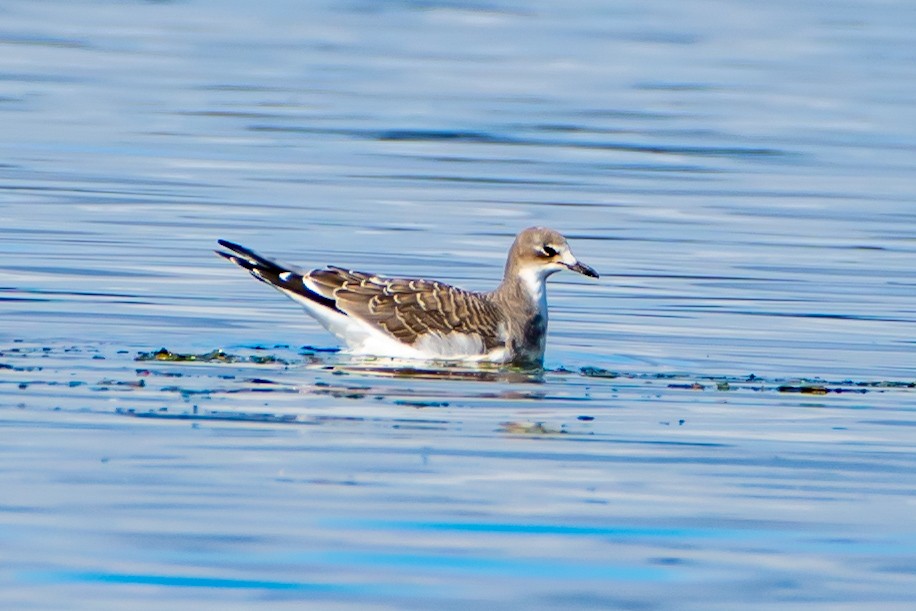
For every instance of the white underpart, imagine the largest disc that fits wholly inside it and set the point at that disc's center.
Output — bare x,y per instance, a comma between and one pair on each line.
362,338
462,346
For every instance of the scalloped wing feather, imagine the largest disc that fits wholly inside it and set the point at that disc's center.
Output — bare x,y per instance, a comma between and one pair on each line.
411,310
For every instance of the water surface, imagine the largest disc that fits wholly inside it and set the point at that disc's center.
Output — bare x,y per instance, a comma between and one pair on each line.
726,417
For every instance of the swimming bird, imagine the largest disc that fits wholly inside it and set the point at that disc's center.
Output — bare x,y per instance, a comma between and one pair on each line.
426,319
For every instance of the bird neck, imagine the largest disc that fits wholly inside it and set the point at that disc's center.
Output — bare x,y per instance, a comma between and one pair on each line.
524,291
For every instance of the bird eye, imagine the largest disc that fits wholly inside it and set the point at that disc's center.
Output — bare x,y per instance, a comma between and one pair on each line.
549,251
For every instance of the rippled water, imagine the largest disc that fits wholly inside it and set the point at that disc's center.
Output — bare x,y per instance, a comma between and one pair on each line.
726,418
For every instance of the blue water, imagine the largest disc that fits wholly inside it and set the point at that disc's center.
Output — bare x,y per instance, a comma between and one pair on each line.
727,416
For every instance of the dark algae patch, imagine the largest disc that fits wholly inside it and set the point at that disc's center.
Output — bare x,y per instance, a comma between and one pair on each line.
217,415
598,372
214,356
809,389
804,386
418,403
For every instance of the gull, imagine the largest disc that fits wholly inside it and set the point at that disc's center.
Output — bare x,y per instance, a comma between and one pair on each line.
413,318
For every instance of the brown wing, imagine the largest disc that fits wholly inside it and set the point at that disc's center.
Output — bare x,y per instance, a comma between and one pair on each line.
409,308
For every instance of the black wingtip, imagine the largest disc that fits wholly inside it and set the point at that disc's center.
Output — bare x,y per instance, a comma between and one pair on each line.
245,258
269,272
238,249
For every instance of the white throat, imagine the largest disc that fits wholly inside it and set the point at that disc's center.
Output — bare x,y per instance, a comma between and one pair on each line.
534,279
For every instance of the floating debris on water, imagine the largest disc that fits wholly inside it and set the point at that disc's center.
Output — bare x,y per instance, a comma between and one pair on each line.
528,428
418,403
209,415
809,389
688,386
598,372
816,389
885,384
164,354
339,392
214,356
128,384
753,382
680,422
310,350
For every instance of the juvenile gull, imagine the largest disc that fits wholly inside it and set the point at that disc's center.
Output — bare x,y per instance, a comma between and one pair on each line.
426,319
